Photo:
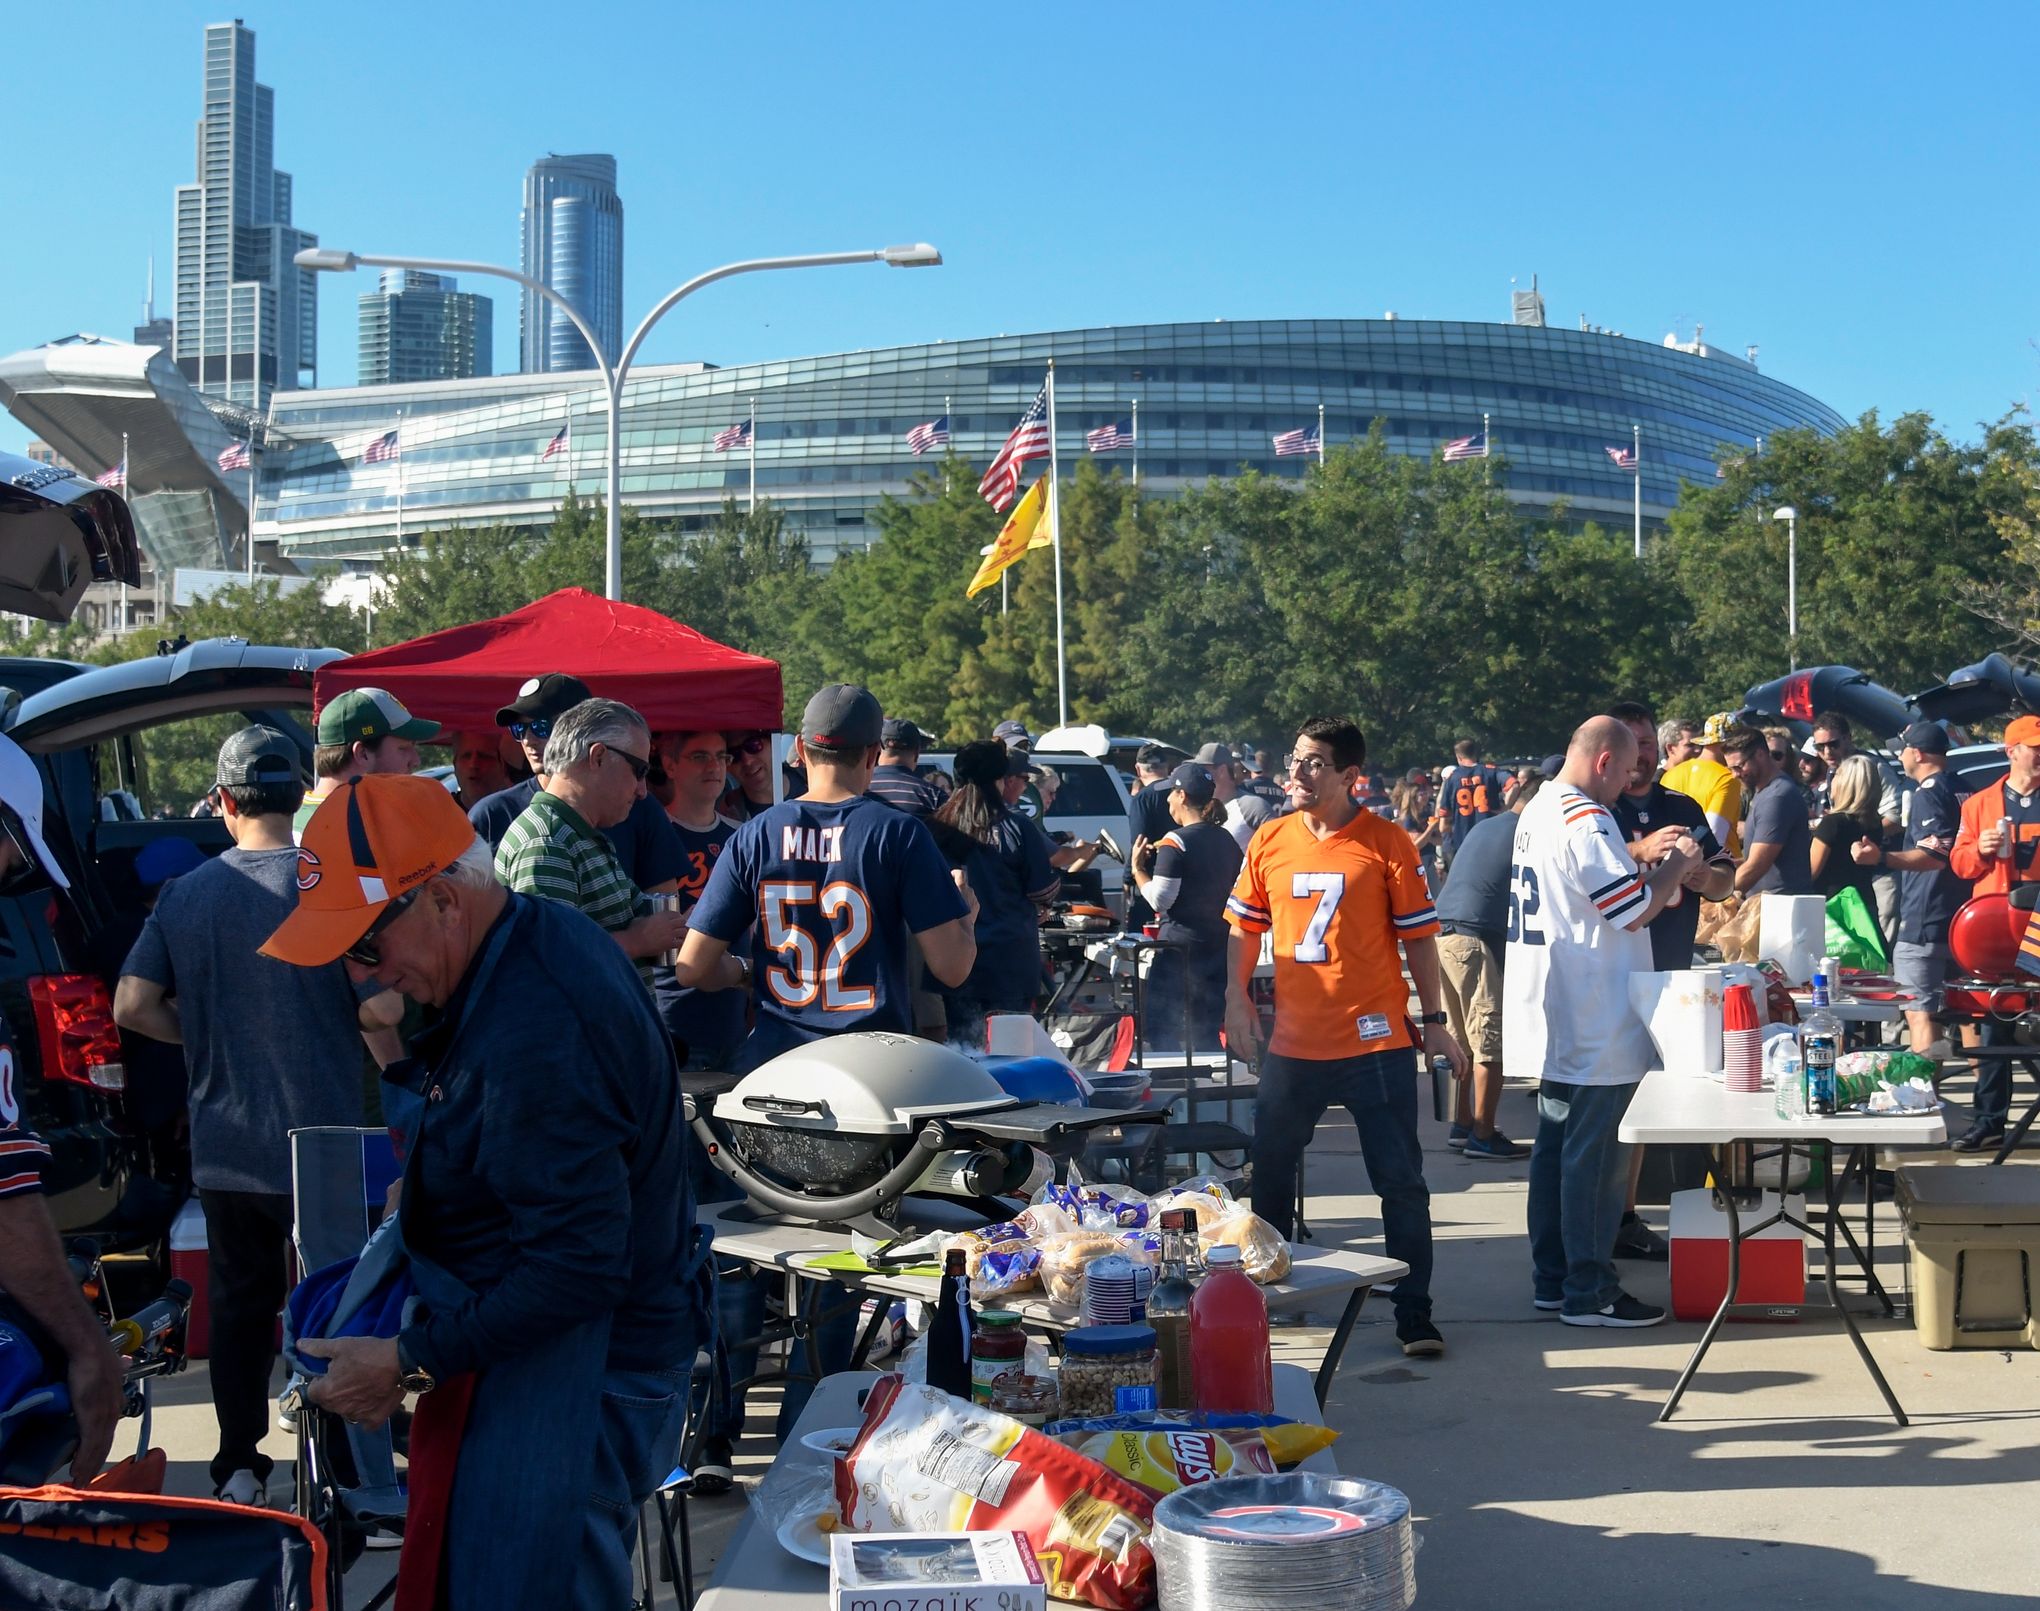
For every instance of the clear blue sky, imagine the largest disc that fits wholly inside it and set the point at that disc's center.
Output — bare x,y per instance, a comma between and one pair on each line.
1852,187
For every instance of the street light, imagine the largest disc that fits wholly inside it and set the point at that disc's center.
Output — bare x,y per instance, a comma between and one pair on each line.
918,254
1790,516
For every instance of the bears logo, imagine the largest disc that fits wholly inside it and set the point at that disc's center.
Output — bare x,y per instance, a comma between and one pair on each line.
308,873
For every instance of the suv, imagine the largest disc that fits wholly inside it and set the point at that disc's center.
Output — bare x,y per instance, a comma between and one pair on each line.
1093,798
110,742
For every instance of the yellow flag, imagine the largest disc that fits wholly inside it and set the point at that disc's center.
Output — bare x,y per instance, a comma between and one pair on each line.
1026,527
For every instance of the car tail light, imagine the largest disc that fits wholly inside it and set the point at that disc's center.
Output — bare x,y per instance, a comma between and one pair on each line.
74,1027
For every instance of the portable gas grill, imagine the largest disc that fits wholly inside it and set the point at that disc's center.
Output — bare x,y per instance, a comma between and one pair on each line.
877,1132
1984,936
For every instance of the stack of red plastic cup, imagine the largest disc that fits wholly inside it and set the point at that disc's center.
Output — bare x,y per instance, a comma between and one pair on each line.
1742,1040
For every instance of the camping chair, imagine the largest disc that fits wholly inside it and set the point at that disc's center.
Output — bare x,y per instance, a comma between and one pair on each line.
347,1480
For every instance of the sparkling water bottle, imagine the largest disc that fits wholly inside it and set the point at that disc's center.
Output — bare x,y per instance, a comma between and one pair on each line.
1820,1043
1791,1083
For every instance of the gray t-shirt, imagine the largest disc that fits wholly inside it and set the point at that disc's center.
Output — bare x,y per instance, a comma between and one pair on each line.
1777,816
270,1047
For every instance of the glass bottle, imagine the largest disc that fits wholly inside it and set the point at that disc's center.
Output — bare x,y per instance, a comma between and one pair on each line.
949,1331
1168,1311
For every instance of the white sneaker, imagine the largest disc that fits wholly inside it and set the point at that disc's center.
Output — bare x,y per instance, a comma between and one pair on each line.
286,1415
243,1488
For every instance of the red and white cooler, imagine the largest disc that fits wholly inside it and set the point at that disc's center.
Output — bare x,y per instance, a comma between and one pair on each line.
1773,1261
188,1263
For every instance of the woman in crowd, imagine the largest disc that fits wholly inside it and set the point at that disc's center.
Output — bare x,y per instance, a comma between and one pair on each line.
1851,816
1006,858
1186,877
1411,803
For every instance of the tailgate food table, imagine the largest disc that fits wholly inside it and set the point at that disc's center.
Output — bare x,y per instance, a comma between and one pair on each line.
1671,1108
1317,1276
756,1574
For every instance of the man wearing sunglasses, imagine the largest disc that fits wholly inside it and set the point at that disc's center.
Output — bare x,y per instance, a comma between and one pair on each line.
270,1049
596,763
750,785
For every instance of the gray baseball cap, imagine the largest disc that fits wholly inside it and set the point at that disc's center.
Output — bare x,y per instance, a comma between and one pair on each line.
1015,733
1214,755
842,716
258,755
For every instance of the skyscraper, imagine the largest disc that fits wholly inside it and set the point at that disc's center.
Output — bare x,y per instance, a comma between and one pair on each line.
573,241
418,326
246,318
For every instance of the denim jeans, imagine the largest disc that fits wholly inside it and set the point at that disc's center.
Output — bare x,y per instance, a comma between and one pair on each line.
1380,1090
643,1415
1579,1179
1992,1104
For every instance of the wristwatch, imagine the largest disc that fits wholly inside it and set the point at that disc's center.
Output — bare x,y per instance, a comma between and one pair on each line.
1434,1018
414,1377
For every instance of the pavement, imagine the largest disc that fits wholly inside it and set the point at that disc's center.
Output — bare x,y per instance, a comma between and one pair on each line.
1531,1453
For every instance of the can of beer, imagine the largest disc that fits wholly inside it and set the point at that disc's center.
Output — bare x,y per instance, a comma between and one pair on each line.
667,902
2007,849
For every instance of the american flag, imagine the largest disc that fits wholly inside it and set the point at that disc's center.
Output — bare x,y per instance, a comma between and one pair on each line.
1001,483
733,436
1291,443
1625,458
236,457
1466,447
383,449
934,434
558,444
116,477
1107,438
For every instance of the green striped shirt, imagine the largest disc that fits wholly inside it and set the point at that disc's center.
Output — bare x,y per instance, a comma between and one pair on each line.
550,851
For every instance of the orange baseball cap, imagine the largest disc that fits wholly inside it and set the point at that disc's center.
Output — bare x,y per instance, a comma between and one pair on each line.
2023,730
372,840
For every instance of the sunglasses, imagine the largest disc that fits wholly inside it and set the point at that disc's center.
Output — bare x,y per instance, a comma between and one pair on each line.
752,746
364,950
640,768
538,727
1828,744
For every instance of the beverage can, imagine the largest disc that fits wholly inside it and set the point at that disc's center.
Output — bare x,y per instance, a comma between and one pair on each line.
2007,847
668,901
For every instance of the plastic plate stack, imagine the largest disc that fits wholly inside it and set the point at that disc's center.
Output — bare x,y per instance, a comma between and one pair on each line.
1275,1543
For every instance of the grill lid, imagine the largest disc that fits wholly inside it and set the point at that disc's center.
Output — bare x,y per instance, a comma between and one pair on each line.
871,1083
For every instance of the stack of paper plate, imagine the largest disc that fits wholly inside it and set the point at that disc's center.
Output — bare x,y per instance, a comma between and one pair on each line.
1277,1543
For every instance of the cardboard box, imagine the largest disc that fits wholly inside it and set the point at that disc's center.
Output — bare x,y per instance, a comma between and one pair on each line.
934,1572
1773,1261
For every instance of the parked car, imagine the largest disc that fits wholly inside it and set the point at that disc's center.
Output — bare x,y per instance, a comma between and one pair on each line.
103,738
1092,799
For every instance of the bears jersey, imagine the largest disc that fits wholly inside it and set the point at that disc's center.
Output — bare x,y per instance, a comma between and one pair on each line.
1466,795
1339,908
830,891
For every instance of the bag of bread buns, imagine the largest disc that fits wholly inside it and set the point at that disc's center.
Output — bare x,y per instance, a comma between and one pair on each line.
1264,1251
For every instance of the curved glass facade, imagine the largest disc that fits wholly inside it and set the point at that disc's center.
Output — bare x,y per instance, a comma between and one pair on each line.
831,430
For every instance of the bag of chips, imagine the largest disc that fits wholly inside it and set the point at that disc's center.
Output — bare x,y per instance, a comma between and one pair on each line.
926,1462
1171,1449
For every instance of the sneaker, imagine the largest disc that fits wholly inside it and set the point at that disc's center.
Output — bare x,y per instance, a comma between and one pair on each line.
1457,1137
1624,1311
286,1414
383,1538
1419,1338
1979,1135
1548,1305
1636,1240
714,1475
1493,1147
243,1488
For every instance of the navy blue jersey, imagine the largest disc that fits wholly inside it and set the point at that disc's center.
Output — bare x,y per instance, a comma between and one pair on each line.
711,1022
834,888
903,787
1469,794
1928,901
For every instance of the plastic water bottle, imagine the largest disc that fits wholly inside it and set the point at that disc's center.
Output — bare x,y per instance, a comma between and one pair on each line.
1820,1043
1791,1083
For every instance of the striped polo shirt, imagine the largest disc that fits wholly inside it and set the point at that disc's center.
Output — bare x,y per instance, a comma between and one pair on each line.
551,851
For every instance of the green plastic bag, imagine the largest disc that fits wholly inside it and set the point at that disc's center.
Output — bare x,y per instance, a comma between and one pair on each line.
1852,936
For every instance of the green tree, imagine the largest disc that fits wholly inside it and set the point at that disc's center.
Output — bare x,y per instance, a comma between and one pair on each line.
748,581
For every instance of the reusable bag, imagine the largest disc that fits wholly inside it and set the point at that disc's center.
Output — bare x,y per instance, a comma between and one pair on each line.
1853,939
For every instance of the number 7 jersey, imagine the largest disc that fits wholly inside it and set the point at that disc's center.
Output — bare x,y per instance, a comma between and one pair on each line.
831,890
1565,976
1339,908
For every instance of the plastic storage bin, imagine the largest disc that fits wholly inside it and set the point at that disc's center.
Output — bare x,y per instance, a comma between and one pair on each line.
1975,1235
1773,1261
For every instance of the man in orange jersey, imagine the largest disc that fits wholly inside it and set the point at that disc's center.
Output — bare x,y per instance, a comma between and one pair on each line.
1340,888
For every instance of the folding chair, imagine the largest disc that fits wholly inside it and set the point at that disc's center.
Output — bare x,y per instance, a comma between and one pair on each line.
347,1480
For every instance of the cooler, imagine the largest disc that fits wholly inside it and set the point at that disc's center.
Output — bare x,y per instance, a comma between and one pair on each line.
1773,1260
188,1263
1975,1235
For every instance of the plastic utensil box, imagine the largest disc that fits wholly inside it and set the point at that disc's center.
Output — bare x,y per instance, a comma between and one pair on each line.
1975,1235
1773,1260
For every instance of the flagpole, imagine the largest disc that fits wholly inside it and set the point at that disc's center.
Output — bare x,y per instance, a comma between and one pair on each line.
1636,449
398,444
752,437
1321,435
1487,449
127,491
1136,443
1062,681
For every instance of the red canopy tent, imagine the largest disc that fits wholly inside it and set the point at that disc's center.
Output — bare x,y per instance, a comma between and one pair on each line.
676,678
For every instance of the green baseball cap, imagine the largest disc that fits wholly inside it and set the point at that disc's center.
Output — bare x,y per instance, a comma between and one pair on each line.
368,715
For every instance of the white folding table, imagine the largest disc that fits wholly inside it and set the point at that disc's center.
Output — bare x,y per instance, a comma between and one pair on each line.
1669,1108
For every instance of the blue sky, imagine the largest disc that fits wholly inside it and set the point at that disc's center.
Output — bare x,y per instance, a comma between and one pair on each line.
1850,187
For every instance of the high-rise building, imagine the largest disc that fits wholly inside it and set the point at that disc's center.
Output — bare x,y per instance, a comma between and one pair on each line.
418,326
573,241
246,317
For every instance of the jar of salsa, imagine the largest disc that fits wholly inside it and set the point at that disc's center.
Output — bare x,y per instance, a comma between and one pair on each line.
997,1346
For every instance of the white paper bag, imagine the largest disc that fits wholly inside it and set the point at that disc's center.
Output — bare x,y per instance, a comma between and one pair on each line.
1792,932
1682,1011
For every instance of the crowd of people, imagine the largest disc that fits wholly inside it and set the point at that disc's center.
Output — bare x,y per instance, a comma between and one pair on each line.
640,904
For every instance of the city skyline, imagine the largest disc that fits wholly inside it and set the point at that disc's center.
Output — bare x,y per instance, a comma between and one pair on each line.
1658,174
570,236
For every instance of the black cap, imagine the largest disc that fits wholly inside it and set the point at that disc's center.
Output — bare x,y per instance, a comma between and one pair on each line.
1551,766
1193,780
554,694
1930,738
1018,763
842,716
900,733
258,755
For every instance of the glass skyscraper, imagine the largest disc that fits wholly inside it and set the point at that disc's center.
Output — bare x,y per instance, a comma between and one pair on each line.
572,234
418,326
246,316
